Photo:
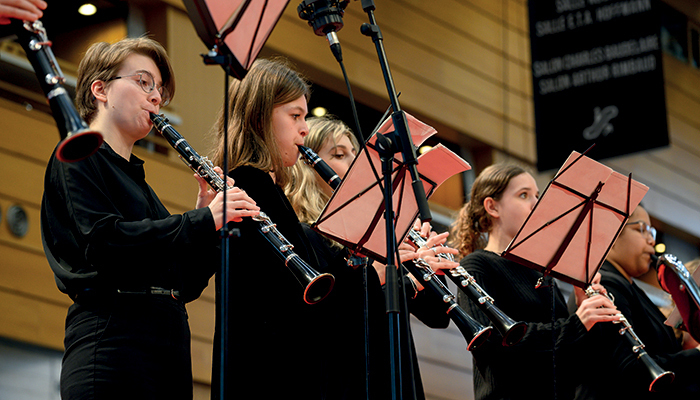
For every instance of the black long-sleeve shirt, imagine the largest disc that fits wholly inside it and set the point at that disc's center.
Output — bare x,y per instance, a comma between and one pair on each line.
105,229
272,347
552,352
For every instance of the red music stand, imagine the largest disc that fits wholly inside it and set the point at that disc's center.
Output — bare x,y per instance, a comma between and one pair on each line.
354,214
238,28
575,222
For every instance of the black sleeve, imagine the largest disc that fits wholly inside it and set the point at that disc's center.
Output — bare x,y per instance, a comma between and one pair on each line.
101,225
509,296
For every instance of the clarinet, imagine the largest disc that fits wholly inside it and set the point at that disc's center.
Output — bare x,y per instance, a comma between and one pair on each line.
78,141
511,331
474,333
316,285
660,379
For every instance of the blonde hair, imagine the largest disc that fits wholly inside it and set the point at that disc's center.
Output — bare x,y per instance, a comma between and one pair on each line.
470,229
303,189
251,141
103,60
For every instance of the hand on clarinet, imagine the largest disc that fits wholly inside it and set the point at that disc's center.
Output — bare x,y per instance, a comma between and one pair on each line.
206,193
24,10
238,203
429,253
406,254
592,310
435,245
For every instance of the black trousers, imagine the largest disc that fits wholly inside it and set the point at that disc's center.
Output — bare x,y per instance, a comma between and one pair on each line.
127,347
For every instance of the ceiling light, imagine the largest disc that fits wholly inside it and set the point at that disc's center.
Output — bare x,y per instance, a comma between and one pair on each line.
319,111
660,248
87,9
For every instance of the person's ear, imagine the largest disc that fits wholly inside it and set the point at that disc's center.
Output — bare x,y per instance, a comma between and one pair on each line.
98,90
491,207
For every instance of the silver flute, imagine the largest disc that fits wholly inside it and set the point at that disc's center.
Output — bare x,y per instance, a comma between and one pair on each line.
316,285
660,379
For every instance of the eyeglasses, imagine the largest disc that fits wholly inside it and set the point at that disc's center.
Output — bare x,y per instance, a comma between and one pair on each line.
644,228
148,83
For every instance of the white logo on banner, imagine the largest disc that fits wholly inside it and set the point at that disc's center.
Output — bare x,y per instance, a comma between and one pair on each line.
601,123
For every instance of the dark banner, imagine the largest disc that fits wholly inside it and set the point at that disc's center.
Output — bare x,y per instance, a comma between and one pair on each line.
597,78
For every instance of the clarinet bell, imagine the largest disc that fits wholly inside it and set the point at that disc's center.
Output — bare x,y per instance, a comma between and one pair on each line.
79,145
511,330
514,333
78,141
475,333
318,288
661,379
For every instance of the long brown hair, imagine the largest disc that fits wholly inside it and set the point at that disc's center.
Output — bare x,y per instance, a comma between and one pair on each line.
252,142
473,223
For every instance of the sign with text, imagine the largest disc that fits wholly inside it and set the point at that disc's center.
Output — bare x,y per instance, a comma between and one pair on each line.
597,78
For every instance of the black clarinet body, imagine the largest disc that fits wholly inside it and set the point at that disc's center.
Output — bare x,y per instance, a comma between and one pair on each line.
78,141
474,333
512,331
316,285
320,166
660,379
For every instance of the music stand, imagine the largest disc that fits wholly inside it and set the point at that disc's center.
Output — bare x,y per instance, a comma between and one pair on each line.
576,220
235,32
238,28
352,216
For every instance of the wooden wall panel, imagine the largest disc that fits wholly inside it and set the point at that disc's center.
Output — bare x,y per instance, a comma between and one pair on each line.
202,318
28,273
464,17
31,320
31,242
202,360
30,134
443,47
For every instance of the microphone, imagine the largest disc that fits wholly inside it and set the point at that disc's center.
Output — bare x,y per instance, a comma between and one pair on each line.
326,18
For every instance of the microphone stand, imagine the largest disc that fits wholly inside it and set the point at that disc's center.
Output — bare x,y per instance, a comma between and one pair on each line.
386,149
222,282
408,152
404,144
326,18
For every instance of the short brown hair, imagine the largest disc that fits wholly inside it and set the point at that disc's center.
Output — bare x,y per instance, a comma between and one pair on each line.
102,61
268,83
